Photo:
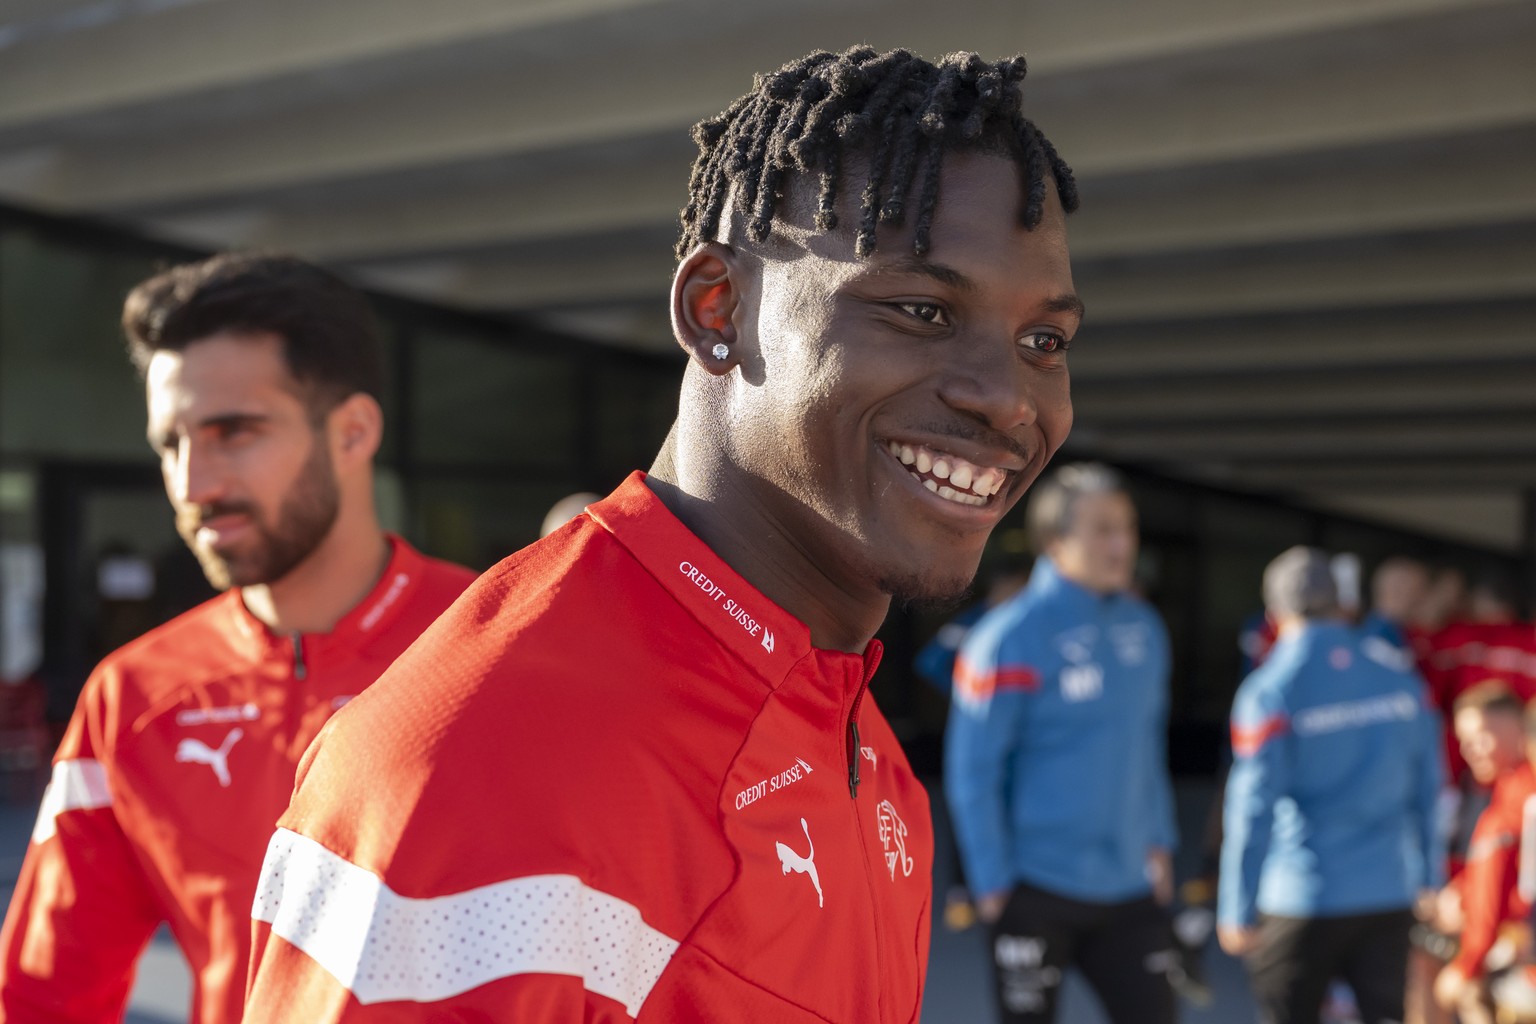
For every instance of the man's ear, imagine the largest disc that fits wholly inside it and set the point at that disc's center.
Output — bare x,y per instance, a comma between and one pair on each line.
356,428
706,293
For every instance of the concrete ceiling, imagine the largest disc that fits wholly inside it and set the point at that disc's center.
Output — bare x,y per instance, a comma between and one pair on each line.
1307,242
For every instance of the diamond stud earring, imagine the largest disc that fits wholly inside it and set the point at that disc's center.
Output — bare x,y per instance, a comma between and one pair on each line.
722,351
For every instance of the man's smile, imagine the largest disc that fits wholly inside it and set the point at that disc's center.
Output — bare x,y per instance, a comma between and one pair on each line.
948,475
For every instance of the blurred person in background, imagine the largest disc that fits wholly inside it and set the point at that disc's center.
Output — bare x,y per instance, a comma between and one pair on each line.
1484,898
1399,589
262,379
1056,768
1346,570
1255,638
566,509
935,662
1489,644
1446,602
1494,599
1330,808
1489,641
1442,611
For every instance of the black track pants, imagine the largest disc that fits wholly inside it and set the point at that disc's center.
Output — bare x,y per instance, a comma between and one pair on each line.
1123,949
1297,958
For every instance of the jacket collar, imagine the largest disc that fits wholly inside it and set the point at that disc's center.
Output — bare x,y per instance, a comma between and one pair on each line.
370,617
1047,581
766,637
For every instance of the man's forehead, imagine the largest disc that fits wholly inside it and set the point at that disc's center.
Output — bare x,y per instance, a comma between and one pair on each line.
221,368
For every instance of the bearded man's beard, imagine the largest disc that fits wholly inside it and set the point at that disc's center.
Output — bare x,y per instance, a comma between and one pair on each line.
304,519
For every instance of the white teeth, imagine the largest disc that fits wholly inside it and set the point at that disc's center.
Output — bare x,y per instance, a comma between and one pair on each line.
988,481
967,483
950,494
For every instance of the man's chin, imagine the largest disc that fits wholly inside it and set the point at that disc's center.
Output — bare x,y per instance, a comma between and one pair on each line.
226,570
931,590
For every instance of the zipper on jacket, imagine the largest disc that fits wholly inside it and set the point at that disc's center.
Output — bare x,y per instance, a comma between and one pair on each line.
300,670
853,744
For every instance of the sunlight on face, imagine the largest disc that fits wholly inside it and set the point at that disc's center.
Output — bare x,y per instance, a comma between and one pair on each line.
246,470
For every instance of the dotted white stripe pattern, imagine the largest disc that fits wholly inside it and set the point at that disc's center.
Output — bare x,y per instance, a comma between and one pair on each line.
79,784
383,946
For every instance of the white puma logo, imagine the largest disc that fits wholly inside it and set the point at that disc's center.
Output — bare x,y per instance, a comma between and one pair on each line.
806,865
193,751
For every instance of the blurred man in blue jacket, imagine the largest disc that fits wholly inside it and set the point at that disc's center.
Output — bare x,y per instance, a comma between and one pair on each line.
1330,807
1056,767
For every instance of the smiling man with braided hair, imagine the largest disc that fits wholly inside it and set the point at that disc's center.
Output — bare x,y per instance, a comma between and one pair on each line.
634,774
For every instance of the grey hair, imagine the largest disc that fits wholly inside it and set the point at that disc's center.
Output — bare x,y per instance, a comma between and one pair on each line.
1300,582
1051,507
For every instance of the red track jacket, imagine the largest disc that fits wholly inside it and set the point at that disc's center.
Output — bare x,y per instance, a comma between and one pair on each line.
620,785
1489,895
165,790
1468,654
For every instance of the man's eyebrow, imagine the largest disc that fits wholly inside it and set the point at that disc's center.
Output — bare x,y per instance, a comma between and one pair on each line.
232,419
911,263
1066,304
223,420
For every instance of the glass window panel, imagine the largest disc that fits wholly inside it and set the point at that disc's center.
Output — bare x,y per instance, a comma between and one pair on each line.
479,403
477,521
633,405
60,307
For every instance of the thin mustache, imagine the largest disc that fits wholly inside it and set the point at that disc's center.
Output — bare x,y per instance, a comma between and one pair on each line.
195,516
963,431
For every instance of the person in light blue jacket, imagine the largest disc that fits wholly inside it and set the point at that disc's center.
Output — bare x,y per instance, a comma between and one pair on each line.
1056,770
1330,807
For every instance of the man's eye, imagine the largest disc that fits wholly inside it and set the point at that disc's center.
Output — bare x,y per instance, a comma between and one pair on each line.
1047,342
928,312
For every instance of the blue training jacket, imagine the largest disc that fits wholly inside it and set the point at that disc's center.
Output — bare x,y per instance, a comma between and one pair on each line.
1055,761
936,661
1378,625
1330,807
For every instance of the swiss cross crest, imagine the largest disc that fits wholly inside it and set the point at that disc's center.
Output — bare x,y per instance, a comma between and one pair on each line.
893,839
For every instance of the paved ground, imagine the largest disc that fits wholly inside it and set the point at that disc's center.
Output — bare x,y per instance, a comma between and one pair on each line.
958,988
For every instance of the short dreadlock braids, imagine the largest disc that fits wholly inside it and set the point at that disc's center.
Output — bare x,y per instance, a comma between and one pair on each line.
900,112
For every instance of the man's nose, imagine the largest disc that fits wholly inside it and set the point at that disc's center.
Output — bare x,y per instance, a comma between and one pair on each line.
195,478
988,380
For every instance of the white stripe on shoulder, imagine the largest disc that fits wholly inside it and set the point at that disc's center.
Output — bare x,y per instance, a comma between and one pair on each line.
79,784
383,946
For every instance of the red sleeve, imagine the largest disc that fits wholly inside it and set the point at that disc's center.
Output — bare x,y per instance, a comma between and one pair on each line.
82,911
304,964
1486,885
